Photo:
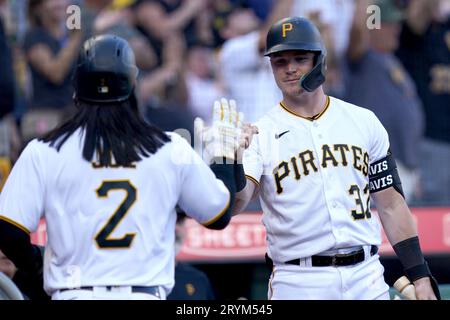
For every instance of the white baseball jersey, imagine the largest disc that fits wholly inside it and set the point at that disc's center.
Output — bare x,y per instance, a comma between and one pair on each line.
109,226
313,177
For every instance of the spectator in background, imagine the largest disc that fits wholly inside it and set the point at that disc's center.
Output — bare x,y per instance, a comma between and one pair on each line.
10,143
167,25
337,14
239,21
203,87
6,72
190,282
160,19
116,17
246,74
51,51
377,81
220,9
163,92
260,7
333,18
425,52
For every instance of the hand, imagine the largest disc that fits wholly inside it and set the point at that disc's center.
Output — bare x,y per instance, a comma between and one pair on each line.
196,5
7,266
222,139
424,291
245,139
107,19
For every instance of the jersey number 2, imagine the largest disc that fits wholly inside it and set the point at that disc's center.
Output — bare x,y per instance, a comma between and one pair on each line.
103,239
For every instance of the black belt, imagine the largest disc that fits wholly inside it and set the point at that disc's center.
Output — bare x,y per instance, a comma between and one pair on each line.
337,260
135,289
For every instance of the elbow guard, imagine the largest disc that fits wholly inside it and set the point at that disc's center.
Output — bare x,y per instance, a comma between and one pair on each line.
384,174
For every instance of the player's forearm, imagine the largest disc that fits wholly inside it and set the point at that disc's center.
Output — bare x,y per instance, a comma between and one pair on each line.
401,231
240,203
243,197
395,216
181,17
55,67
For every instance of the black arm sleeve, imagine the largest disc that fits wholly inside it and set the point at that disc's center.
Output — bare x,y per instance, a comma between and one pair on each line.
239,177
224,172
16,245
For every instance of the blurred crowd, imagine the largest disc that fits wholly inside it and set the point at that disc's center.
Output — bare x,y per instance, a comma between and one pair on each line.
191,52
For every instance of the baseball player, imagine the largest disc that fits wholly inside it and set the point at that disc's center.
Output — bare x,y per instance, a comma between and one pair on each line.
315,164
107,184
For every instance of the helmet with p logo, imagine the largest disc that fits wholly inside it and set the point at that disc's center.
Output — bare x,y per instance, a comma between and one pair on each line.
296,33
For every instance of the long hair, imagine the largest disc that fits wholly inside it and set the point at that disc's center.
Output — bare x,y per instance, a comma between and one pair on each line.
112,131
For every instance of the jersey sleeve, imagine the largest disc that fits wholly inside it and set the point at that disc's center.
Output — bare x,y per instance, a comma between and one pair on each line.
203,197
380,140
252,161
22,197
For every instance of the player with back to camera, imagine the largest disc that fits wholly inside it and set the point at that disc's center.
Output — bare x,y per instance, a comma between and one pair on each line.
107,184
314,164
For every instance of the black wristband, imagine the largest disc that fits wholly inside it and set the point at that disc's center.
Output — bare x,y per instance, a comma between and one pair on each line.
224,172
417,272
410,255
239,177
414,264
409,252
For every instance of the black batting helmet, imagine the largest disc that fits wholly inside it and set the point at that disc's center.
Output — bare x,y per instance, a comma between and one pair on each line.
295,33
106,71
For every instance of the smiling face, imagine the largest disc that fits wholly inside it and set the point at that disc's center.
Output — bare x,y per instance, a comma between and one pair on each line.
288,67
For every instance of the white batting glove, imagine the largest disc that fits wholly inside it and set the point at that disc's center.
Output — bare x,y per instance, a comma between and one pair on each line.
221,140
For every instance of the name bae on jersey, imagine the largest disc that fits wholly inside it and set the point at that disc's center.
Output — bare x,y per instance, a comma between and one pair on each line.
332,155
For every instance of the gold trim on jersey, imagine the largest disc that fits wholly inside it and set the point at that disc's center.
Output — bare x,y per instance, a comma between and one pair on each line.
253,180
317,116
18,225
217,217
